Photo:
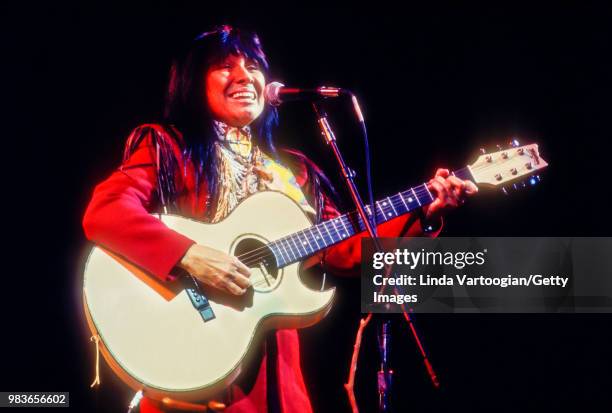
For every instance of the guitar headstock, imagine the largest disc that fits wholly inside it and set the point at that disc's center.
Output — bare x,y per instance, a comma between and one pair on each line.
506,166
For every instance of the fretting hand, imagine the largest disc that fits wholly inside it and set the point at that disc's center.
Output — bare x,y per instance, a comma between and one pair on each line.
450,192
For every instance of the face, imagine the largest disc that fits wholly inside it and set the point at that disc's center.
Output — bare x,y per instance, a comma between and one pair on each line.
234,90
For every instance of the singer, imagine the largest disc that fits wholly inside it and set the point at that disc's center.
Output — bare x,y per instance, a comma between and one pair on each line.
215,148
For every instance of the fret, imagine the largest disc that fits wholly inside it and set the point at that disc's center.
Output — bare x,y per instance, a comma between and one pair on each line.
404,202
349,229
381,210
392,207
322,237
299,241
290,249
274,247
415,196
336,228
328,233
307,242
369,211
315,238
430,196
347,232
296,245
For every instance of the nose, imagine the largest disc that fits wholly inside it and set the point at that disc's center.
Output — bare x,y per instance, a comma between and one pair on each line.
242,75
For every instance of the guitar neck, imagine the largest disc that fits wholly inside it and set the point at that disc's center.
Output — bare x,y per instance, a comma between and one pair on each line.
300,245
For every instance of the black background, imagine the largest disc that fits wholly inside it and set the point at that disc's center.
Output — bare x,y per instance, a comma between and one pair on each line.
436,83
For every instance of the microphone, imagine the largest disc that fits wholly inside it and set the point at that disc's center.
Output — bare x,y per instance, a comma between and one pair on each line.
276,93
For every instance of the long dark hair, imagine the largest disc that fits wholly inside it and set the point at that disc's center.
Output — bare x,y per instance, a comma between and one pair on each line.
186,107
187,114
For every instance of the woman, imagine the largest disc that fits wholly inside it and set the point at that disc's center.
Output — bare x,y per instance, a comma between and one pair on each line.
214,150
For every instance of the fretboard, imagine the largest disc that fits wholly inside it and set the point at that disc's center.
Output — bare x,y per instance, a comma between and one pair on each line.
303,244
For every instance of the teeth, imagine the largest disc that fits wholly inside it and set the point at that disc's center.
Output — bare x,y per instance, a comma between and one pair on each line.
240,95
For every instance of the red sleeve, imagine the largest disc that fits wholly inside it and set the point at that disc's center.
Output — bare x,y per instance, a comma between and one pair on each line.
344,258
118,215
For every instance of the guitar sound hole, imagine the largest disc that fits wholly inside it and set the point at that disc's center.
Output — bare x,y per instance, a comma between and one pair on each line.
257,256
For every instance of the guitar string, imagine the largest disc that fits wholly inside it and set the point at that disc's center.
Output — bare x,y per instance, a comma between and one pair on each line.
396,201
344,219
388,210
310,239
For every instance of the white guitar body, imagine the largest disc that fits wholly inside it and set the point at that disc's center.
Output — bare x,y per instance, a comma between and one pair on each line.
152,335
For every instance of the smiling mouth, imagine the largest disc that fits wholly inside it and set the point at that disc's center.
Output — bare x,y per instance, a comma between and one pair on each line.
243,96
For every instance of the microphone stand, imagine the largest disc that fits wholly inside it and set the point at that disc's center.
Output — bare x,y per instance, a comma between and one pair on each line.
347,173
384,334
385,375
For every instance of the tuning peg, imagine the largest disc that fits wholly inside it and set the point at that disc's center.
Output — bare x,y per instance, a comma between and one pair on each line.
505,190
483,151
499,148
515,143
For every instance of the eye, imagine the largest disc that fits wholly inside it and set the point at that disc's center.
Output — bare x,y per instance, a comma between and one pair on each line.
252,65
221,65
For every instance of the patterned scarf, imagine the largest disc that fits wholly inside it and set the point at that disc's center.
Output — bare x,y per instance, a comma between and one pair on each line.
244,170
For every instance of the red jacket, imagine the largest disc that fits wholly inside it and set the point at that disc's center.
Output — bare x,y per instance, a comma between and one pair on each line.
118,218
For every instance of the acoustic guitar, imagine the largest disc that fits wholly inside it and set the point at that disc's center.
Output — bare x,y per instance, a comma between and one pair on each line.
173,339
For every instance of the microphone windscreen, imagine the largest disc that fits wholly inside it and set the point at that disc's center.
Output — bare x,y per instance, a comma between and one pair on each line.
271,93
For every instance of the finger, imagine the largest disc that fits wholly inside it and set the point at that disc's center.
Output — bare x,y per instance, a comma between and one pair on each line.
438,189
444,182
470,188
446,194
456,182
240,280
462,187
241,268
458,186
442,172
233,288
